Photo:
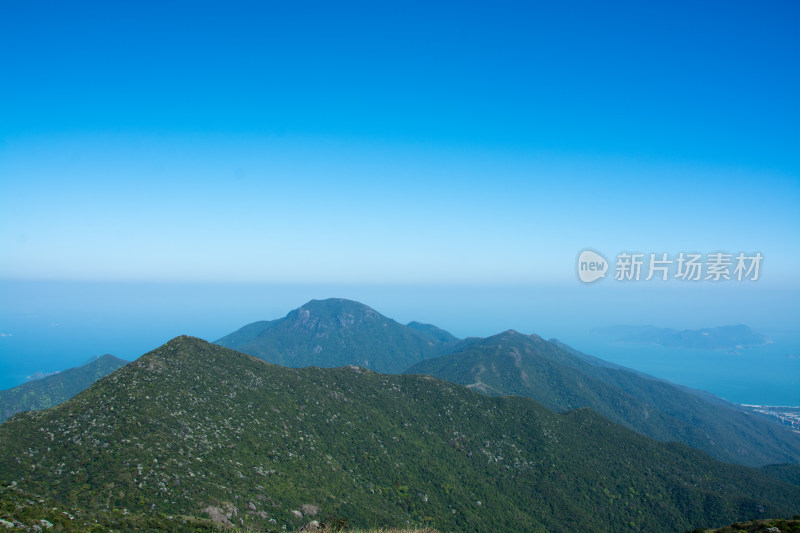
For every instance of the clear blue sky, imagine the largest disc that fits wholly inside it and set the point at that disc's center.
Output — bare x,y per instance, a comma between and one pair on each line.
417,142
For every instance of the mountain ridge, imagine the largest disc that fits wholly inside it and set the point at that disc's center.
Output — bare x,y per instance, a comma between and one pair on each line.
191,428
338,332
55,388
527,365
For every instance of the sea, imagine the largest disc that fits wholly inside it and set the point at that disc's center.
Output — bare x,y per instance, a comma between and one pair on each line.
754,375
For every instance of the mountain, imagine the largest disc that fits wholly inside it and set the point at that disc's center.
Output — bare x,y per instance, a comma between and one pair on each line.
769,525
719,338
561,379
40,375
437,333
337,332
194,429
56,388
24,511
788,473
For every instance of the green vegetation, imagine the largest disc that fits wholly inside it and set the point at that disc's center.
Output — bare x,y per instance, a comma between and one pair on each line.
392,530
438,334
27,511
336,332
788,473
21,510
54,389
331,333
758,526
195,430
562,379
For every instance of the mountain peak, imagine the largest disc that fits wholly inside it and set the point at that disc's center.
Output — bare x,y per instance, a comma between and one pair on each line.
509,336
336,306
189,338
109,357
338,332
183,341
181,347
333,313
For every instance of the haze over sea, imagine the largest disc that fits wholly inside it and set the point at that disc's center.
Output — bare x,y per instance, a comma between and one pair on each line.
51,326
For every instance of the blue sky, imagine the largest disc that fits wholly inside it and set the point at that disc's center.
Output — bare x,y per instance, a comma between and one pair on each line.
414,143
440,161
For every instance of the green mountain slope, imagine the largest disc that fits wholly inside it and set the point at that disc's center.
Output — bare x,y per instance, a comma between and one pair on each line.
22,511
195,429
248,333
437,333
512,363
788,473
336,332
56,388
769,525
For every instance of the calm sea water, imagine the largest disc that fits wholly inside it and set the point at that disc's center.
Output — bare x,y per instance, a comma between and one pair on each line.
762,375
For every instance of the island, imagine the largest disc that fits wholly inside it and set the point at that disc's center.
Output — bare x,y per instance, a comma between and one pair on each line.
716,338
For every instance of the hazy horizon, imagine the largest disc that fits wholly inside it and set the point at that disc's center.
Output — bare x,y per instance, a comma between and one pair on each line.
51,326
189,168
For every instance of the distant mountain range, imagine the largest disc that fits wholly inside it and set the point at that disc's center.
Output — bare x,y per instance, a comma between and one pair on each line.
336,332
193,429
719,338
56,387
562,378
